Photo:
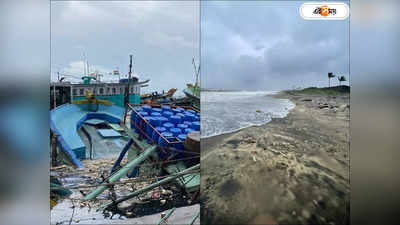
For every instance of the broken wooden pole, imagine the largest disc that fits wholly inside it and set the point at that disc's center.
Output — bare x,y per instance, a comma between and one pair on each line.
54,137
121,156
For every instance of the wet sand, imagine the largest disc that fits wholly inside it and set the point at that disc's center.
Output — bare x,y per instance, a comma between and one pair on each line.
293,170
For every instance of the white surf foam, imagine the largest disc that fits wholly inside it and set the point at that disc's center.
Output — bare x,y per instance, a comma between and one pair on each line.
226,112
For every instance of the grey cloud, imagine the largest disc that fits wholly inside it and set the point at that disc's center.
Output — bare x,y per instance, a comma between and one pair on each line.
295,52
162,36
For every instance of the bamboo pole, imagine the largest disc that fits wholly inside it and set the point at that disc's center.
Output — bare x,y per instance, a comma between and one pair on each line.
123,171
162,221
151,186
195,217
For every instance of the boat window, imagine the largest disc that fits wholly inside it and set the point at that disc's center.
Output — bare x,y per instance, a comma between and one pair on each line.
120,90
108,90
101,90
81,91
114,90
74,91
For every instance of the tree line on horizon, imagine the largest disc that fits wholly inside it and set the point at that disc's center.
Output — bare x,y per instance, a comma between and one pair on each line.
340,78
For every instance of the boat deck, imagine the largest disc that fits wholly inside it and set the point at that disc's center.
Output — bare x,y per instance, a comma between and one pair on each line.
66,119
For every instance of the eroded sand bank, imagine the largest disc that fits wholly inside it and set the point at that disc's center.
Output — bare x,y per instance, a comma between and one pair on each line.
293,170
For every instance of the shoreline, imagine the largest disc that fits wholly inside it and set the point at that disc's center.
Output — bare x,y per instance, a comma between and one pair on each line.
306,150
215,139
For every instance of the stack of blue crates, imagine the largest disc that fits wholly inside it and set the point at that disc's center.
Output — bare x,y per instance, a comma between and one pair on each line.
172,123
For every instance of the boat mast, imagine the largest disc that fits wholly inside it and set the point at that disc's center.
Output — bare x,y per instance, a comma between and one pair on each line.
54,91
84,64
119,74
196,71
127,89
87,63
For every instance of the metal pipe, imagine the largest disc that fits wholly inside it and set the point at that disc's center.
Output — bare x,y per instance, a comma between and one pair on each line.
123,171
151,186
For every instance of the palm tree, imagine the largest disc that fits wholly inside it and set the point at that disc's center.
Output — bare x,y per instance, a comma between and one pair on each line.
341,79
330,75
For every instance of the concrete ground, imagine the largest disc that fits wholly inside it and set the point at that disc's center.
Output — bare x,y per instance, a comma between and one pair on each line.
62,212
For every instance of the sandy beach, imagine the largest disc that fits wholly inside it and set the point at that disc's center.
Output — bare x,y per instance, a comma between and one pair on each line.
293,170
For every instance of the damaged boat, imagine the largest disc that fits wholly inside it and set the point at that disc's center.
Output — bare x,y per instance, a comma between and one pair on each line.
158,144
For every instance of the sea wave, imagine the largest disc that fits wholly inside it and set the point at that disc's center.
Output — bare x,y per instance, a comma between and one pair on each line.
226,112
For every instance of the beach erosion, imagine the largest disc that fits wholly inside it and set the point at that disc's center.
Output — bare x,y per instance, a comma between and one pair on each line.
290,170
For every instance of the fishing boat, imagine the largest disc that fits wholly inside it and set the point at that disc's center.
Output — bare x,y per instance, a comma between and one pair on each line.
158,98
192,91
66,92
153,139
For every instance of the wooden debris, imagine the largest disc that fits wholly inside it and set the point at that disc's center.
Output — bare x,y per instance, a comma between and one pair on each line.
192,142
58,167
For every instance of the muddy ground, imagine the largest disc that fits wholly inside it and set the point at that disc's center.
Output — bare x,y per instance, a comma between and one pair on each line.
293,170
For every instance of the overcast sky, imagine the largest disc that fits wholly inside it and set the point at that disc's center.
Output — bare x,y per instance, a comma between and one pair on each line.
262,45
266,45
162,36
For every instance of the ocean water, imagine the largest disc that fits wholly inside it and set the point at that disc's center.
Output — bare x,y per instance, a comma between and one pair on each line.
226,112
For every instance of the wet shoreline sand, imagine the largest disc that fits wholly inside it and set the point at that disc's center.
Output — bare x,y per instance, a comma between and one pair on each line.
292,170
